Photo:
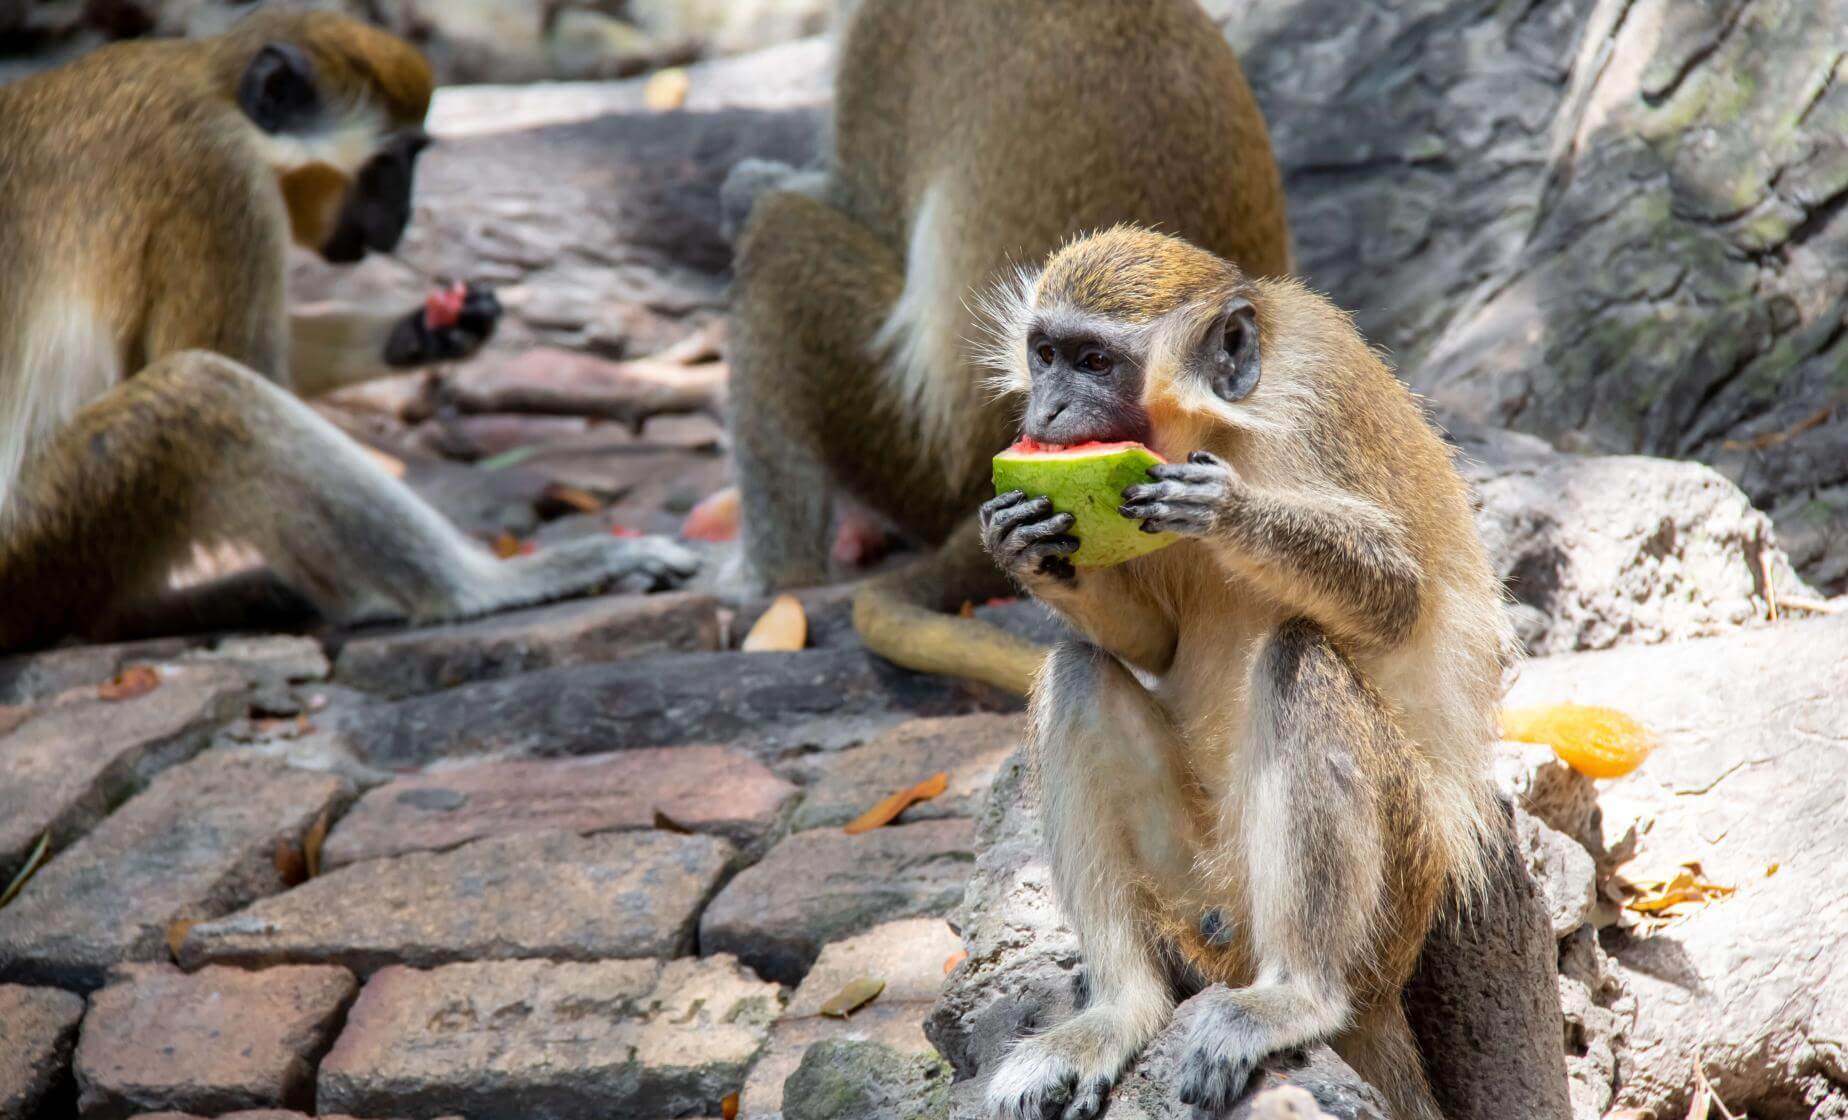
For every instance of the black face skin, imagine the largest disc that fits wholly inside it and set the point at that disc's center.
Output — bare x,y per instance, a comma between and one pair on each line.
1085,388
378,204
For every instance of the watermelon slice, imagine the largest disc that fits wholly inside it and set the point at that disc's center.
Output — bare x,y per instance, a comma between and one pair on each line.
1087,481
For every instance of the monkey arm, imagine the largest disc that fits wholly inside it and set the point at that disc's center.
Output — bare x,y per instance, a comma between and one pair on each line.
1336,556
1105,606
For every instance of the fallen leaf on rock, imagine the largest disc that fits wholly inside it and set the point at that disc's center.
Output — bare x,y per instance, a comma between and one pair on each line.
1664,895
176,935
853,996
967,610
728,1108
507,546
781,629
30,868
136,680
570,497
888,810
713,518
314,842
950,962
291,865
1597,742
666,89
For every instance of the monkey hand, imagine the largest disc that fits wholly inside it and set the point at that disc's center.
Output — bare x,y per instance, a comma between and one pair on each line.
1192,498
1028,538
450,326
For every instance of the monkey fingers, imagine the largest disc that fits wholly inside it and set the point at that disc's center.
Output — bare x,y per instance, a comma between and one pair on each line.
1220,1055
1027,536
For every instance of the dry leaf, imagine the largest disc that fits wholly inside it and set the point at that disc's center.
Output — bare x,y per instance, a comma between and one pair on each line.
950,962
967,610
27,870
888,810
715,518
853,996
728,1108
666,89
668,824
1660,897
176,935
571,497
136,680
782,629
507,546
291,865
1597,742
390,464
313,843
1772,870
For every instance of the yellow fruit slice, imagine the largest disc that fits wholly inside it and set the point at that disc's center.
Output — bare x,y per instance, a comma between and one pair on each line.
1597,742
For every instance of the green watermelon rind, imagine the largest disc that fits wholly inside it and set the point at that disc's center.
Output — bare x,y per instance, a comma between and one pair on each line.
1088,485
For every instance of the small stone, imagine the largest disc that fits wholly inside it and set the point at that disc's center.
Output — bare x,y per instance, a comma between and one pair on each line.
702,789
29,678
215,1040
824,885
70,763
37,1029
1564,871
970,749
200,841
608,628
513,1039
546,894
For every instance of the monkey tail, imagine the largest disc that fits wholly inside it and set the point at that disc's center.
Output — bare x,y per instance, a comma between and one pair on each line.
907,617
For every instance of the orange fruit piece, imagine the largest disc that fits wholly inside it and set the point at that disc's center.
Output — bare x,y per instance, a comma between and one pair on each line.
1597,742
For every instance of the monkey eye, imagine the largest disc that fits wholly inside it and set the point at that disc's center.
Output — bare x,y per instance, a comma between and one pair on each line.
1045,353
1096,361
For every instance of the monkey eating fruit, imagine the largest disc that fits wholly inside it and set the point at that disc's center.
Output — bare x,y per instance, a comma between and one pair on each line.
1087,482
1265,757
148,363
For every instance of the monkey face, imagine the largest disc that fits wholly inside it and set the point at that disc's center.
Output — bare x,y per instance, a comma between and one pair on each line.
1086,383
377,206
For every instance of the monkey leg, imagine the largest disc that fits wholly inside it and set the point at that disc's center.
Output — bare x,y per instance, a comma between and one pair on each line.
197,448
1320,770
1111,797
809,407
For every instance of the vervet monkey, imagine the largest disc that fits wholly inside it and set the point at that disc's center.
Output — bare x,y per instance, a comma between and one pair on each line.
969,136
1267,752
148,195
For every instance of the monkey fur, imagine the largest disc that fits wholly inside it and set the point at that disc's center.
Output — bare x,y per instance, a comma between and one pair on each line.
969,136
148,194
1266,754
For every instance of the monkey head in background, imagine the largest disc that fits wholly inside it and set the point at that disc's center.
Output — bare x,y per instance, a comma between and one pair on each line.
969,137
1266,754
148,195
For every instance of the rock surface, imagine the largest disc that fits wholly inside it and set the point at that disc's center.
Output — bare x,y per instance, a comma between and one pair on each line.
609,628
969,749
200,841
841,1079
38,1028
217,1040
546,894
515,1039
823,885
1747,781
69,764
1611,223
713,790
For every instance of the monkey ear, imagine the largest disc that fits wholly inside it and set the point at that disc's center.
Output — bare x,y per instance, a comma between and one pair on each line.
1232,364
277,90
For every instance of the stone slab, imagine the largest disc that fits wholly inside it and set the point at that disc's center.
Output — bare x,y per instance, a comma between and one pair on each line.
970,749
200,841
38,1027
824,885
549,894
606,628
213,1041
511,1040
68,764
713,790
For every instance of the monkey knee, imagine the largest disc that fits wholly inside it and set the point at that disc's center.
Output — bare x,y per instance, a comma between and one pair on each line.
1300,665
